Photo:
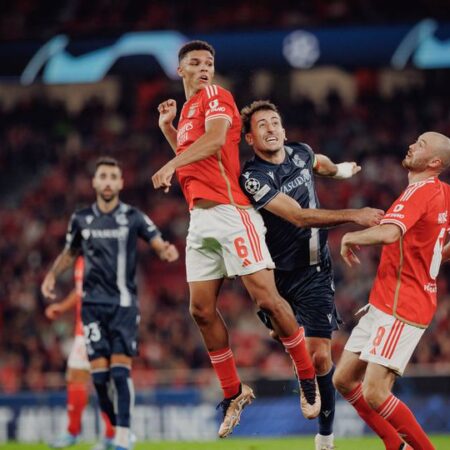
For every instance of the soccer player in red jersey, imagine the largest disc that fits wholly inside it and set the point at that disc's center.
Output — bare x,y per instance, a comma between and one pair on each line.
403,297
78,369
226,234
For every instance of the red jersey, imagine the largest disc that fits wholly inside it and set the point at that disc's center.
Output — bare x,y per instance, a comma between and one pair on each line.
78,278
216,177
405,285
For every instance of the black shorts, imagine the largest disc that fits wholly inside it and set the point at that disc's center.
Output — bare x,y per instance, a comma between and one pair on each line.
110,329
310,292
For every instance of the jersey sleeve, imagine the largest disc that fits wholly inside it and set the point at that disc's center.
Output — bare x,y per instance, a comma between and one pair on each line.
218,103
147,230
73,235
408,208
258,187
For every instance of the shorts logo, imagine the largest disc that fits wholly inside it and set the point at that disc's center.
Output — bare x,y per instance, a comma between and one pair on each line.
252,186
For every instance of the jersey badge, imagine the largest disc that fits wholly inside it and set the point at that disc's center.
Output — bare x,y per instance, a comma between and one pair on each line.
121,219
298,161
252,186
89,219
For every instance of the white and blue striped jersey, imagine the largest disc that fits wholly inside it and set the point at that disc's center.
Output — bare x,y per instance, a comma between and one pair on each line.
108,242
290,246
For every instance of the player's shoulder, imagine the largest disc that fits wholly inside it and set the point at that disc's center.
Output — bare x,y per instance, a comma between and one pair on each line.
128,210
420,189
84,212
214,90
252,165
298,147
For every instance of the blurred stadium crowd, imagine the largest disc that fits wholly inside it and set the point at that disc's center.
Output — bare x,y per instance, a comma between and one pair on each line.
24,19
46,163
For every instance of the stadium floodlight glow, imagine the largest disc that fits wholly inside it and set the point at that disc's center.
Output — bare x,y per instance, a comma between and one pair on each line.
301,49
59,66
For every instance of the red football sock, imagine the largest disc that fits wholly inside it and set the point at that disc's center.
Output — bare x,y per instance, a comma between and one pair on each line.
77,398
225,367
382,427
295,345
109,429
403,420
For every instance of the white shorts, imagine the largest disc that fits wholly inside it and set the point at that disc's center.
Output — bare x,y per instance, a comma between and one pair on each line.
225,241
78,358
382,339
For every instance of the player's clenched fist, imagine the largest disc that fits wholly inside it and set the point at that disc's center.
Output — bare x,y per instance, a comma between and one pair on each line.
162,178
167,112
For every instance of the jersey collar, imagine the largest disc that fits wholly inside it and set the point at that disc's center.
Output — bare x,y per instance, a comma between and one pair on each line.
99,213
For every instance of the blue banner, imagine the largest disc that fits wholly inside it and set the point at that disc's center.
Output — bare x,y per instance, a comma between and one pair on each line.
185,415
424,45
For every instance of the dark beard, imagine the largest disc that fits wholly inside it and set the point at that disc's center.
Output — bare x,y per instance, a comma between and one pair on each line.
107,199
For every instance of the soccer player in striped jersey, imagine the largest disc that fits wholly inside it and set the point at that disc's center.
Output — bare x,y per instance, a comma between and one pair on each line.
106,233
402,301
279,181
226,234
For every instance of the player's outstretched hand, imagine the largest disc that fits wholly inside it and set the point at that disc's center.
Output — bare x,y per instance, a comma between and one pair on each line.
347,252
48,286
167,112
169,253
52,312
162,178
369,217
346,170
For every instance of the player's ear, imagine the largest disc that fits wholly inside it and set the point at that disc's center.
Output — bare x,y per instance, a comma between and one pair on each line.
249,138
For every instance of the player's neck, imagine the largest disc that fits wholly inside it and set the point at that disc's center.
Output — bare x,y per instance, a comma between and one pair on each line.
274,157
190,91
415,177
107,207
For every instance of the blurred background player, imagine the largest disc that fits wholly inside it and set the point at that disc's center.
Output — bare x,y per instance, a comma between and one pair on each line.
403,297
226,234
107,234
279,181
78,375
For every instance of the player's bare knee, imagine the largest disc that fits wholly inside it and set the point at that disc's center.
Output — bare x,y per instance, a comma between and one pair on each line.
373,395
321,361
340,382
270,307
202,315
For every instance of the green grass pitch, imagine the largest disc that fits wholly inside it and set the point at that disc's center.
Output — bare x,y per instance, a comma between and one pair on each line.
304,443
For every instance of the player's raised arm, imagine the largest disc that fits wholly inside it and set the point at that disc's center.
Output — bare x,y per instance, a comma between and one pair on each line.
64,260
287,208
325,167
167,112
206,145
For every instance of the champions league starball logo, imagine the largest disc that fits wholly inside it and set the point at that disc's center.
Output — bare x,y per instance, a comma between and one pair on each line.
252,186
